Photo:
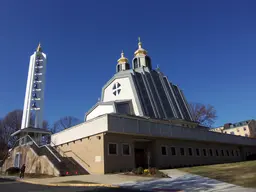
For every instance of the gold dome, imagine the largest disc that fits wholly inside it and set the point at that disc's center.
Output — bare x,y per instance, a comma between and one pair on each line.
140,50
122,59
39,48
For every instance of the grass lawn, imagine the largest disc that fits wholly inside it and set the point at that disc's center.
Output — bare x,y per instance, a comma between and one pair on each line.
242,173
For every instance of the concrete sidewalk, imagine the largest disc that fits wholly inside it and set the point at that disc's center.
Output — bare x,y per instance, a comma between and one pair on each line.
182,181
111,179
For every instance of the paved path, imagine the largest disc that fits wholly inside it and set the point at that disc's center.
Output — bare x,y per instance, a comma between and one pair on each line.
181,181
7,185
103,179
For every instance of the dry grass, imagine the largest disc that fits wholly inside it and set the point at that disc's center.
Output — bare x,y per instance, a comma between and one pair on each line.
242,173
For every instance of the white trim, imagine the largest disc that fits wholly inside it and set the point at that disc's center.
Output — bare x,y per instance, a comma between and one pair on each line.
86,129
166,149
166,129
129,149
116,149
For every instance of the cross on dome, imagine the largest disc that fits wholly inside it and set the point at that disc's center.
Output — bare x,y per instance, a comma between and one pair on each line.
140,50
122,59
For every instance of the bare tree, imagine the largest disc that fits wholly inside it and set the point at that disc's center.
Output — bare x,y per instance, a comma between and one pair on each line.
204,114
3,143
64,123
11,123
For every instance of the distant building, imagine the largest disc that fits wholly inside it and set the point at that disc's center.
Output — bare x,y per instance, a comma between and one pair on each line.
243,128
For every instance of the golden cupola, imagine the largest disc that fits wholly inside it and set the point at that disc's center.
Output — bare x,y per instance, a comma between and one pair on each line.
122,63
122,59
140,50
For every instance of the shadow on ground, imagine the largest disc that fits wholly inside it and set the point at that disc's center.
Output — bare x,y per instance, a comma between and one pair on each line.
185,183
2,180
114,190
12,185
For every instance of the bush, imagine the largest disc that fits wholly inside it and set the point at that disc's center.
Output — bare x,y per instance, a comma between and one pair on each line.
12,170
149,172
138,171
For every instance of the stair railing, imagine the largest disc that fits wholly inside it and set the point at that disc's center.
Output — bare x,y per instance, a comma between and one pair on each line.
64,153
70,151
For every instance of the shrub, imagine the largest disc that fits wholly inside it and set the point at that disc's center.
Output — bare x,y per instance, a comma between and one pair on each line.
138,171
149,172
146,171
12,170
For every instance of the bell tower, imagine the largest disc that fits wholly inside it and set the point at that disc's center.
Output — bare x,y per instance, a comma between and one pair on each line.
141,59
34,97
122,64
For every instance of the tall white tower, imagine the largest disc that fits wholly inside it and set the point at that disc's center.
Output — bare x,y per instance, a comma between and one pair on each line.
34,98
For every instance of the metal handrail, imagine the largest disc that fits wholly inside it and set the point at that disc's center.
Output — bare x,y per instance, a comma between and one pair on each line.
70,151
64,154
42,146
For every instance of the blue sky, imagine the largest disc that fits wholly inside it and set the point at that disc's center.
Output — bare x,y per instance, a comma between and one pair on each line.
206,47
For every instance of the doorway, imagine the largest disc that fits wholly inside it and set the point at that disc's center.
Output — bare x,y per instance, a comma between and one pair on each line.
143,153
140,158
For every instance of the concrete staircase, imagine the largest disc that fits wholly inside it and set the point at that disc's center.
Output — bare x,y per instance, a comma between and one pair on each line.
67,165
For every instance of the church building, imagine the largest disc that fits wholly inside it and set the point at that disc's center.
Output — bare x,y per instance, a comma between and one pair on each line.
141,120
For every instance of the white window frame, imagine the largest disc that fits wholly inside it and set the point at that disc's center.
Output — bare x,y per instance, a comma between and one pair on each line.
191,150
222,154
19,159
116,149
184,148
175,148
218,153
206,154
210,153
228,154
166,148
199,152
129,149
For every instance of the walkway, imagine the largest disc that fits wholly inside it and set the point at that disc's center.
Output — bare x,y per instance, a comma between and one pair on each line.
181,181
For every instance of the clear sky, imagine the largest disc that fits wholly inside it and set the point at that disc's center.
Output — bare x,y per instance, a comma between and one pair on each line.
206,47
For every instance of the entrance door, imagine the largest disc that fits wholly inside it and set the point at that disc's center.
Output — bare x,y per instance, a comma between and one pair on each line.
140,160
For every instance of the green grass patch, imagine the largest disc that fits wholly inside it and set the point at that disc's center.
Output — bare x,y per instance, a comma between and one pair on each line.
241,173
